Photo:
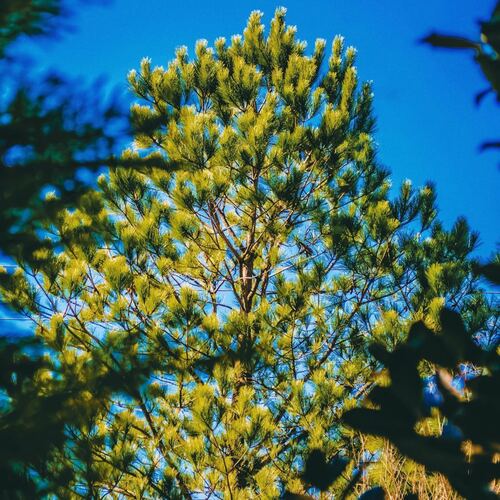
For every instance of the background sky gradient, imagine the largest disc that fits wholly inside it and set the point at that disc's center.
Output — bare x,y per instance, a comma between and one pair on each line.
428,125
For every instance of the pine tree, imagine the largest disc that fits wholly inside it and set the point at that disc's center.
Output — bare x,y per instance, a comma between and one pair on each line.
243,275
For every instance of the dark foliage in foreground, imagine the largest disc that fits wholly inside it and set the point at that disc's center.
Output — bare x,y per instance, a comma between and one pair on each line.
49,131
471,437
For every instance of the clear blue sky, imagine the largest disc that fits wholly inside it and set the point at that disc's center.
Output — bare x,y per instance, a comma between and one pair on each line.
428,125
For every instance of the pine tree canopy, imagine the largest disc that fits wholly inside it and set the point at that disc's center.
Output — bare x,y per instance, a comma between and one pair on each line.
243,276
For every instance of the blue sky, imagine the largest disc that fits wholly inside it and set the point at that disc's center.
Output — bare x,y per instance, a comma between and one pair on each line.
428,125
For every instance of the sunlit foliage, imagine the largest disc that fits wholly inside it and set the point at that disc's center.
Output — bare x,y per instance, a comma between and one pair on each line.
231,283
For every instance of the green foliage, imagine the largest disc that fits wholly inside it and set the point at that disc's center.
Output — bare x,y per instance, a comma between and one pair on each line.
39,399
466,454
231,281
49,131
44,145
26,17
46,136
29,427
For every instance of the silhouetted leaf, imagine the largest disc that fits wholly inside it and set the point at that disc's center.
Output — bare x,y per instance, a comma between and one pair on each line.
489,145
490,31
320,473
376,493
478,99
410,496
376,422
449,42
491,271
295,496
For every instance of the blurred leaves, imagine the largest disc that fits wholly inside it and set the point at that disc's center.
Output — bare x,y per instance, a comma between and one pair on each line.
321,473
39,401
450,42
49,131
53,133
29,424
26,17
490,271
46,137
373,494
486,54
472,418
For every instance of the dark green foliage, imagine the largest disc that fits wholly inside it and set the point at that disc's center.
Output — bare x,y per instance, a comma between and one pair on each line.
376,493
26,17
29,426
321,473
49,131
491,270
471,421
39,399
46,137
